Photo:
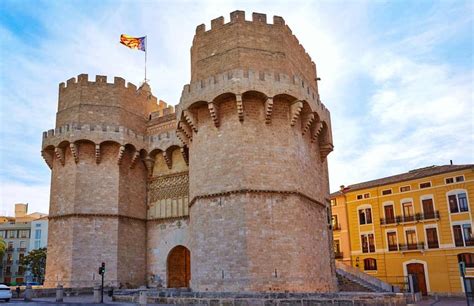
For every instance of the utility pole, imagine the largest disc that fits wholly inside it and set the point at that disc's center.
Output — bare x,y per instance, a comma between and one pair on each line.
102,273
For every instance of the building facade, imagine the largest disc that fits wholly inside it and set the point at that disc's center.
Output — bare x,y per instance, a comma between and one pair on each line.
228,193
19,234
418,223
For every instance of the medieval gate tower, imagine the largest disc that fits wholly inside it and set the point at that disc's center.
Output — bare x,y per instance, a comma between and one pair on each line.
228,193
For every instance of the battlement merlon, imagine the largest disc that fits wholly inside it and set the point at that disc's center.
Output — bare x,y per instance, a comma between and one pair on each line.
251,44
105,103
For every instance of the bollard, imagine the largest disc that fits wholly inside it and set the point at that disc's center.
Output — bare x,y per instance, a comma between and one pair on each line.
97,294
142,298
59,293
28,293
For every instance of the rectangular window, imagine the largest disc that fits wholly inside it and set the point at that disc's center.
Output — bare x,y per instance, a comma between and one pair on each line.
428,208
2,234
11,234
408,212
386,191
37,244
411,239
458,202
365,216
366,195
24,234
37,234
405,188
458,239
389,214
337,246
462,200
38,225
359,197
333,202
425,185
460,178
467,232
22,244
10,245
453,203
392,241
449,180
368,243
432,238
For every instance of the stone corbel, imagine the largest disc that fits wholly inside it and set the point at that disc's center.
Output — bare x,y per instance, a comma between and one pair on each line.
308,120
325,149
181,136
74,150
185,155
268,110
97,154
240,107
134,159
120,155
191,120
47,158
214,110
168,159
295,111
184,127
149,164
316,131
59,155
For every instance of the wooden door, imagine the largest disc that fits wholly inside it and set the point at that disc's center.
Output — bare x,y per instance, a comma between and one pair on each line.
419,271
179,267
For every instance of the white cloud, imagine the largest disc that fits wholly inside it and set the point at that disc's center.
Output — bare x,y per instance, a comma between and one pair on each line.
394,104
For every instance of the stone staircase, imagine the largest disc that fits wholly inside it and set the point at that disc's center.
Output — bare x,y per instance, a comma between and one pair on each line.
352,279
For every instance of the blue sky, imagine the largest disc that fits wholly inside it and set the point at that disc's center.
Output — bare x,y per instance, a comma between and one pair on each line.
397,76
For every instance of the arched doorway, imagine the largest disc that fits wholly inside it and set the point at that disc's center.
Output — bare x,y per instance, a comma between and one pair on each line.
418,270
178,266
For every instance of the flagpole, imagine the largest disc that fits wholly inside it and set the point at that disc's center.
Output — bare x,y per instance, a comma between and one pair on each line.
146,48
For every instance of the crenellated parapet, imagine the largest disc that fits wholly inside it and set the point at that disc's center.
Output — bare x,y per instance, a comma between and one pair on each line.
305,106
84,101
69,137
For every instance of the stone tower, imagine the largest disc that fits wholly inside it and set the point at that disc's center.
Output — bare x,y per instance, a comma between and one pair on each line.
98,182
258,137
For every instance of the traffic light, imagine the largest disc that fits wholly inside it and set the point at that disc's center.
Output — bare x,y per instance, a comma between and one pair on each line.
102,268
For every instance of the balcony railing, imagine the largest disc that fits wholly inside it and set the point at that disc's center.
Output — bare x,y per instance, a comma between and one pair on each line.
433,244
21,249
10,250
393,247
7,273
411,246
336,227
417,217
467,242
338,255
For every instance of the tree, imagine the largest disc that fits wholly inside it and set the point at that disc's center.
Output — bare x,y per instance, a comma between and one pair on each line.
36,261
3,247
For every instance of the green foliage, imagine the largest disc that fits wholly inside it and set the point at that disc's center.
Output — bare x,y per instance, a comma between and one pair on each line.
36,261
3,247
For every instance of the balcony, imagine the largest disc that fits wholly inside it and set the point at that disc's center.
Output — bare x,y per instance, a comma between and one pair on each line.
10,250
427,216
406,219
338,255
392,247
8,273
467,242
411,246
21,249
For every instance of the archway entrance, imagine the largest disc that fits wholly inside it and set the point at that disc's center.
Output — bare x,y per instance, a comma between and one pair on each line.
179,267
418,270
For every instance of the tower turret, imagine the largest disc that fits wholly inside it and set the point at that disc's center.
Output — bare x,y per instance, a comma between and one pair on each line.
98,182
258,137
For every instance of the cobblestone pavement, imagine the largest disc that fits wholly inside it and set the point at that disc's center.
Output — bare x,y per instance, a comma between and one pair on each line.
87,300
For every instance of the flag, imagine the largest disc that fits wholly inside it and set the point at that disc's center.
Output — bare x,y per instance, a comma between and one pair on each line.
137,43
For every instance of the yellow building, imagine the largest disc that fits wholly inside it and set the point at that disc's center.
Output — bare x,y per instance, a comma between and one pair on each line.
418,223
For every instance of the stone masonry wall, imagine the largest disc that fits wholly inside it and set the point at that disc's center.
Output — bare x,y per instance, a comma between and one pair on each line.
162,237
